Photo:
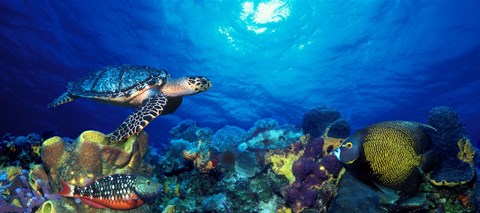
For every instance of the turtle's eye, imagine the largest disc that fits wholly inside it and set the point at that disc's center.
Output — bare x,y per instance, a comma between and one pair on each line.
148,182
348,145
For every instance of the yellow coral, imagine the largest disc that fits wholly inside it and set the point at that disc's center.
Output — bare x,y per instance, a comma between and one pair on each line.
284,209
13,172
467,152
165,187
304,139
16,202
445,183
36,149
169,209
52,206
330,142
283,163
177,190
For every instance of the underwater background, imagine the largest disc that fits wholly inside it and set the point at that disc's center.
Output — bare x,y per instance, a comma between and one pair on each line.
371,61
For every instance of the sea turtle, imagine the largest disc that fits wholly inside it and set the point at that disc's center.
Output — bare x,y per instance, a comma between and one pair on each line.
150,89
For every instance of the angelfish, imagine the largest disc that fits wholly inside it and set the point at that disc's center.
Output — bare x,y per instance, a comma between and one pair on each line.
118,191
395,154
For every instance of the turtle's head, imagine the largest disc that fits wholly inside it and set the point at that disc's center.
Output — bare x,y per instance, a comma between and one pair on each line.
185,86
199,83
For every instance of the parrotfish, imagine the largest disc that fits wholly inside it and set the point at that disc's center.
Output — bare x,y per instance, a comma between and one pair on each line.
118,191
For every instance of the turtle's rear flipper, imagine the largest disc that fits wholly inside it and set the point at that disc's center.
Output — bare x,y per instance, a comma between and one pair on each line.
135,123
62,99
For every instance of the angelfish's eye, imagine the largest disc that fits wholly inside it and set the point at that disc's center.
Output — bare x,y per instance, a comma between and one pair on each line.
349,145
148,182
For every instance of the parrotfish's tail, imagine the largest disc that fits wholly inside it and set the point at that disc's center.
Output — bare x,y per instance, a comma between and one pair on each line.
62,99
67,189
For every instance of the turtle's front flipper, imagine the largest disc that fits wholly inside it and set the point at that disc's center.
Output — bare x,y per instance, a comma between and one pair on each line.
62,99
135,123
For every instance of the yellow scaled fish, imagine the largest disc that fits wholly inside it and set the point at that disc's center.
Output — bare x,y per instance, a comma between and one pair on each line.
393,153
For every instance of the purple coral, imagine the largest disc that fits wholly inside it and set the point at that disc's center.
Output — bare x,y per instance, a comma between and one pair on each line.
314,149
311,172
331,164
300,198
302,168
29,199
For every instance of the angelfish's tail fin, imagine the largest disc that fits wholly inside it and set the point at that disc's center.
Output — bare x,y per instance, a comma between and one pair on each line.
67,189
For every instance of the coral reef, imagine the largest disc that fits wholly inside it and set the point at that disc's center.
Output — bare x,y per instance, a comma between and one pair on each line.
92,157
25,196
20,150
451,142
87,159
269,168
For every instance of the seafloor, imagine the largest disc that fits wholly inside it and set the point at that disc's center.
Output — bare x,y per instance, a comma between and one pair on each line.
271,167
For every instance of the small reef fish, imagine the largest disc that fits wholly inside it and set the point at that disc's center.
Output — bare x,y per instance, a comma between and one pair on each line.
395,154
118,191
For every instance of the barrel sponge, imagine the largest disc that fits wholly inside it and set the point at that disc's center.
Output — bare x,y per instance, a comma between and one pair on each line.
91,156
125,154
53,206
94,154
451,142
339,129
318,119
51,152
88,151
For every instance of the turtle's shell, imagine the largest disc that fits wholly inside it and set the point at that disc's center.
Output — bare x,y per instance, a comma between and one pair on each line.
118,81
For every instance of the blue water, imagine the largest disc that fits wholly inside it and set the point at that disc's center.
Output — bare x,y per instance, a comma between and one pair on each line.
372,60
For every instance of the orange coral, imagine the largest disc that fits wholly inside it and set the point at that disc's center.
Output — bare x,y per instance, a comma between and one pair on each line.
200,160
200,157
189,155
464,199
204,163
